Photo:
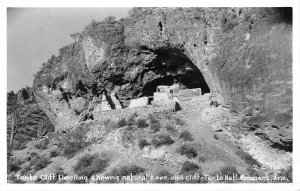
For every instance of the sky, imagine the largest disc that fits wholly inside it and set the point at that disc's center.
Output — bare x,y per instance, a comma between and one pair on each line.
34,34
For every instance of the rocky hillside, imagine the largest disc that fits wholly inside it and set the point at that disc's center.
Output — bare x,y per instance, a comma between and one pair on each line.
31,121
242,56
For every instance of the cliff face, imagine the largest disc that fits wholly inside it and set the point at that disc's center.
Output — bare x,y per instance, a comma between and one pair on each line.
242,56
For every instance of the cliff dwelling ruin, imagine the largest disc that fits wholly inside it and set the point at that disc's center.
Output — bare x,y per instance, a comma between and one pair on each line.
163,95
171,76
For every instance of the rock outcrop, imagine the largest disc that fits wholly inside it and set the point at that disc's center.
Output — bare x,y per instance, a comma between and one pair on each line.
242,56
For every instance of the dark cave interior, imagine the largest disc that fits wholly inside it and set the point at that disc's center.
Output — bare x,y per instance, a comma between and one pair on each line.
173,66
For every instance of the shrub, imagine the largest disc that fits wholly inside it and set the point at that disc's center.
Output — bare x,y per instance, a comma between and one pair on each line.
131,119
152,119
127,170
25,170
202,158
14,180
40,181
127,138
162,140
19,146
166,115
57,173
130,129
188,151
42,144
14,166
134,115
54,153
33,154
179,121
40,163
189,167
170,127
121,123
164,176
186,136
109,125
229,170
155,127
252,171
143,143
74,140
91,164
70,149
141,123
154,123
216,137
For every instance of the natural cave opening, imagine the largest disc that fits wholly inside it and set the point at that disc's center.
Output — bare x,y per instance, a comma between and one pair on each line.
173,66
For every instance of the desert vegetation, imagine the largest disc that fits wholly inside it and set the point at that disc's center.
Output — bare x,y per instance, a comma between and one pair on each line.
89,164
73,141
